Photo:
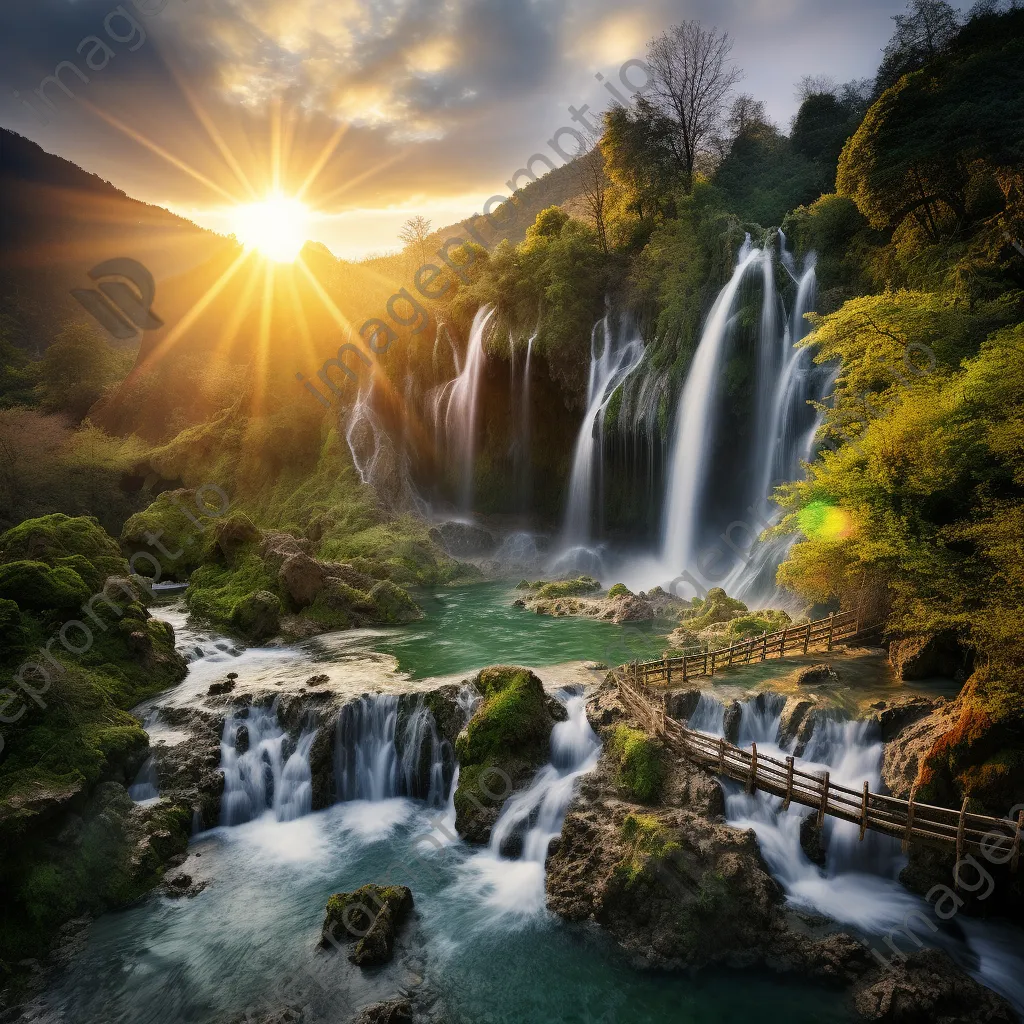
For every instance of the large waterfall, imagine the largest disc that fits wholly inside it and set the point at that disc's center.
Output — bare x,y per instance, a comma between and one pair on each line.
457,406
691,446
615,352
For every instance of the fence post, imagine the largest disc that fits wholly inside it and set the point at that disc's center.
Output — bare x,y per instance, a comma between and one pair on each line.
684,670
789,784
668,673
712,662
824,800
910,820
864,813
721,756
831,627
764,647
782,643
1016,842
960,829
752,777
807,638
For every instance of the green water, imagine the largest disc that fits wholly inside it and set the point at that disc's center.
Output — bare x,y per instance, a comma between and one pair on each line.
470,627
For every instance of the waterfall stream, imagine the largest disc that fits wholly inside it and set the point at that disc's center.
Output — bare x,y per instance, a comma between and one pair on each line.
858,884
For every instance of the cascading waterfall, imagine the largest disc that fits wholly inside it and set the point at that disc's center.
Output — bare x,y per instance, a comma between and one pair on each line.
146,785
532,818
375,759
263,770
858,884
691,447
614,355
460,400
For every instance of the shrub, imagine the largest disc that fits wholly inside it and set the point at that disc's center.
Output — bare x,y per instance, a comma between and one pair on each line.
641,767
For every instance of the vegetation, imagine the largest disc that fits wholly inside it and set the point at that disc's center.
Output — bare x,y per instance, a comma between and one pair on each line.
641,765
648,839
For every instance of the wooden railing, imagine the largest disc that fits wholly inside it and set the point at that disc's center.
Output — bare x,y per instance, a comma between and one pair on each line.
906,820
822,634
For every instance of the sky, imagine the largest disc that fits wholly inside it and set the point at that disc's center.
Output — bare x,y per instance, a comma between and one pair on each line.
371,110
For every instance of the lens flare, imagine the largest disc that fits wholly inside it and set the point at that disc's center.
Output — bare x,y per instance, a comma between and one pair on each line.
275,227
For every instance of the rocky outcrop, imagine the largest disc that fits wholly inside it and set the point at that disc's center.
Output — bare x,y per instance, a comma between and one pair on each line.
463,540
929,656
258,616
394,1011
816,675
506,741
796,723
681,704
371,916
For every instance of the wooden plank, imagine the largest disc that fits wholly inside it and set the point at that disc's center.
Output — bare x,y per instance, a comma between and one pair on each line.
1016,843
864,814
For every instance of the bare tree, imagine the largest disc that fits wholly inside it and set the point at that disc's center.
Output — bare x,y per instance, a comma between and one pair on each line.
415,232
816,85
924,31
591,180
692,78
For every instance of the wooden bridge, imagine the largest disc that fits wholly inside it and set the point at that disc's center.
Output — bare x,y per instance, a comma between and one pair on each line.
822,634
997,839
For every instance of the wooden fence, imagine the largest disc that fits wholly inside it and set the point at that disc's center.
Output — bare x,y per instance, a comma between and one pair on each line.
997,838
822,634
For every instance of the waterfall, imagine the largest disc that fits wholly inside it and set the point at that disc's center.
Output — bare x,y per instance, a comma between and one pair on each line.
526,428
379,753
694,421
460,399
534,816
264,771
614,355
708,716
145,788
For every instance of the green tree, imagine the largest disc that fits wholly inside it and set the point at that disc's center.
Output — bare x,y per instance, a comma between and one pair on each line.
78,369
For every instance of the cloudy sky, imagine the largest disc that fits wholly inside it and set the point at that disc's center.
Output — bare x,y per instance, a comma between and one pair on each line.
380,108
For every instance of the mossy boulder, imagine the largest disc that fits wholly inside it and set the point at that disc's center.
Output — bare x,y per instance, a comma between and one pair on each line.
258,615
620,590
716,607
392,605
37,587
371,915
338,606
174,532
507,739
640,763
52,537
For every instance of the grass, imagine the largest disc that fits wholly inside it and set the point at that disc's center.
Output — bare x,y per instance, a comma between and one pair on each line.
641,766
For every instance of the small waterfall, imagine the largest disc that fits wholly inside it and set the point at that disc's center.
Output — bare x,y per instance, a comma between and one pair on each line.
376,760
460,399
263,770
536,814
694,419
708,716
526,429
614,355
146,787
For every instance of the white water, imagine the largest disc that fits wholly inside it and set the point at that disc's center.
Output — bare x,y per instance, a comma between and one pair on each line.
272,775
145,789
859,883
692,443
614,355
460,399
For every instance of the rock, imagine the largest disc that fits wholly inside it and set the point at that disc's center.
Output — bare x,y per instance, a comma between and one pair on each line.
234,534
349,575
931,655
216,689
392,604
894,717
463,540
319,680
507,739
811,840
278,547
815,675
395,1011
629,608
927,986
371,915
796,723
681,704
302,578
242,739
182,886
731,721
258,616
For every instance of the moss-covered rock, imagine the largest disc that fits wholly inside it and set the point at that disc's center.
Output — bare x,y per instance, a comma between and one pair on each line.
716,607
371,915
620,590
52,537
37,587
258,615
507,739
641,765
392,605
569,588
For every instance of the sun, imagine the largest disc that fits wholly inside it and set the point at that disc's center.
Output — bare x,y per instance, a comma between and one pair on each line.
275,226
